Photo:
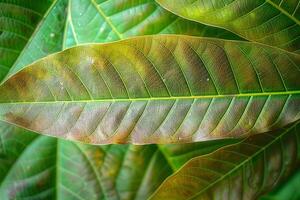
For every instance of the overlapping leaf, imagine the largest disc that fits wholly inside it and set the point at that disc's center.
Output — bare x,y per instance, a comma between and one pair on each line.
32,166
155,89
18,20
40,167
272,22
72,22
113,20
241,171
287,190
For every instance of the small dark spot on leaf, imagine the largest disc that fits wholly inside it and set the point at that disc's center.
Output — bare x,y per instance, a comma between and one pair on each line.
42,182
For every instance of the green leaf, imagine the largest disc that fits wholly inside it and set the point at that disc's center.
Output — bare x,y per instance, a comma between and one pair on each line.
155,89
40,167
47,38
33,166
18,21
66,22
24,154
114,20
288,190
240,171
271,22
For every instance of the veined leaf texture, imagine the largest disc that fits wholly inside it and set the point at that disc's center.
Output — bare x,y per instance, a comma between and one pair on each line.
256,92
273,22
39,167
240,171
66,22
155,89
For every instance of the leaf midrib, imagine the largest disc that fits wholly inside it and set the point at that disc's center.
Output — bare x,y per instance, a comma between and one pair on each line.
284,12
160,98
106,19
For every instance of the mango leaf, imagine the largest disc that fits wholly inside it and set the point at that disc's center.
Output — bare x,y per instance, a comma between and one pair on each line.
155,89
44,186
33,166
40,167
65,24
18,21
114,20
287,190
240,171
272,22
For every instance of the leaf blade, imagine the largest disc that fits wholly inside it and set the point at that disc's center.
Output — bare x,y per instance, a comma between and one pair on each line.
250,172
35,166
132,89
19,20
273,23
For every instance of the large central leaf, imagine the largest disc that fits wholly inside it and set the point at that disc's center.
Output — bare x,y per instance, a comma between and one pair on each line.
155,89
33,166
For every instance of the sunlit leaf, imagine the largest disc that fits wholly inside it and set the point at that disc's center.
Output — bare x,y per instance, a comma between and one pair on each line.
155,89
241,171
272,22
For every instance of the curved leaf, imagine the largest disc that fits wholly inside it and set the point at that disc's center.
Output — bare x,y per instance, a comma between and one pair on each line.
241,171
155,89
18,20
115,20
288,190
66,21
22,174
40,167
276,23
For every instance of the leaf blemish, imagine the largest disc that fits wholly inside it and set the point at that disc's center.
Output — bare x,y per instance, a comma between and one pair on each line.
10,117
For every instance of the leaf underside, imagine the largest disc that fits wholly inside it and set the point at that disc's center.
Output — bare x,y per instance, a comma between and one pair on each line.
155,89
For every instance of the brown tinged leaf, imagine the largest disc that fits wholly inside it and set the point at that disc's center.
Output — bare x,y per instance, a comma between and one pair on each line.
241,171
156,89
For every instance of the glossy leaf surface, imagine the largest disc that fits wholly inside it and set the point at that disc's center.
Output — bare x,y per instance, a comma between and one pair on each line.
241,171
272,22
287,190
18,21
66,22
155,89
114,20
40,167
